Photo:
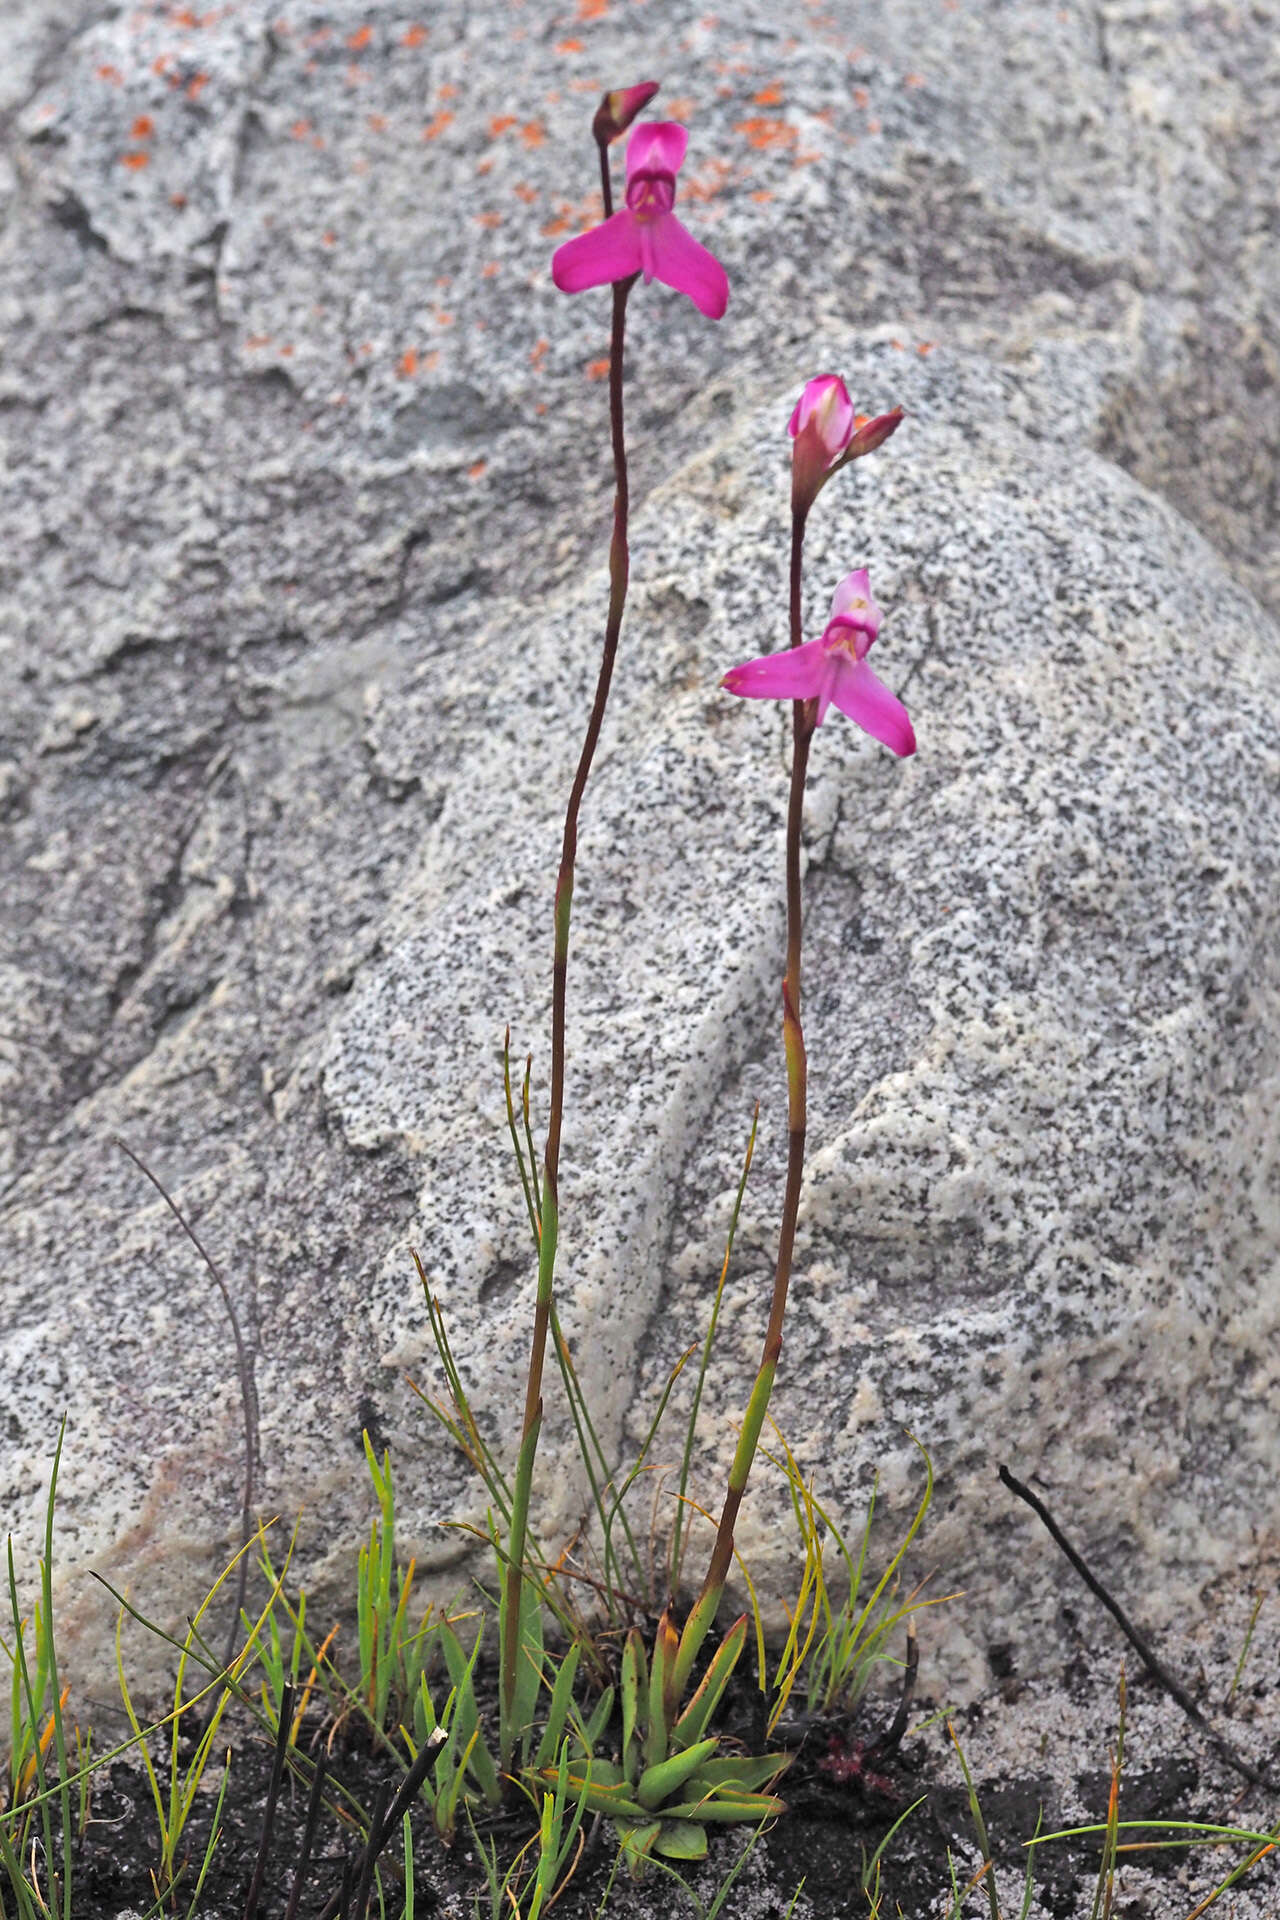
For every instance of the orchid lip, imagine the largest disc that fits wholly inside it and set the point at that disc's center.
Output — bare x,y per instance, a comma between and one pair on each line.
649,195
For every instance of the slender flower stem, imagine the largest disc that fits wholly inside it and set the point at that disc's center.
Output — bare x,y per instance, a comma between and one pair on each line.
606,181
802,722
513,1573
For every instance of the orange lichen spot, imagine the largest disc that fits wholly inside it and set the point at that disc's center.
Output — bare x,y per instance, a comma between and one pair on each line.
681,108
762,194
762,132
328,239
135,161
598,369
559,223
300,129
178,200
484,166
447,92
570,46
861,99
899,346
476,469
592,9
500,122
377,123
488,219
184,17
489,268
441,318
413,36
160,63
768,96
873,126
256,342
430,361
407,364
286,353
317,140
539,352
913,79
360,38
143,127
523,191
926,347
541,407
436,125
708,181
356,75
196,85
111,74
533,133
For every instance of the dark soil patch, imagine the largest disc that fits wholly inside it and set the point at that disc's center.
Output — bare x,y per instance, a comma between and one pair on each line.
841,1805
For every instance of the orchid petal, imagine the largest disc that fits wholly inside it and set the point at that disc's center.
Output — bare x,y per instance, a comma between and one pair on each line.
797,674
679,261
853,601
593,259
658,146
858,693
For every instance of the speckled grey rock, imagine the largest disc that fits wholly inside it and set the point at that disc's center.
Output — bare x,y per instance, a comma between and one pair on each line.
306,494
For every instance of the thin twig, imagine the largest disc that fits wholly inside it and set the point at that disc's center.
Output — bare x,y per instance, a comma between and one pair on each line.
283,1731
1167,1681
364,1885
248,1398
387,1820
891,1739
308,1839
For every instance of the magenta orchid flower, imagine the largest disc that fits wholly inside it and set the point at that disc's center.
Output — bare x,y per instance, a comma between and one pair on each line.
822,427
645,237
827,432
834,671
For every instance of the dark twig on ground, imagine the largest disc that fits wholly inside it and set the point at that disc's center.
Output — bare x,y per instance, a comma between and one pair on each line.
1167,1681
385,1822
283,1733
891,1739
308,1840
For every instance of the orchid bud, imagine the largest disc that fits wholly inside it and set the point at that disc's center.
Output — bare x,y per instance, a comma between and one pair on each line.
619,108
869,434
822,427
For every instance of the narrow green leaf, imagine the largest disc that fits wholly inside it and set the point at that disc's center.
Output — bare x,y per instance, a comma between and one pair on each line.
558,1711
659,1781
742,1772
635,1682
743,1806
693,1722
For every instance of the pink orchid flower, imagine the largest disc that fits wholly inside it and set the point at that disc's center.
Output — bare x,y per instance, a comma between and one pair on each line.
645,237
834,671
827,433
822,427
